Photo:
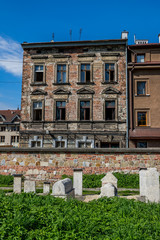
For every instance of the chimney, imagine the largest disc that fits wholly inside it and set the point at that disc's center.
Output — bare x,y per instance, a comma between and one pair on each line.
159,37
124,35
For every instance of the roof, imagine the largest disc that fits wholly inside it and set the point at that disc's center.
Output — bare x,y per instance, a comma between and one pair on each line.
9,115
146,45
74,43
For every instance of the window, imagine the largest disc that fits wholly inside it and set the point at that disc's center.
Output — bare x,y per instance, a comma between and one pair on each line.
37,111
3,129
38,74
109,72
85,73
60,110
141,144
142,118
109,145
140,58
141,88
60,142
2,139
61,73
85,143
84,110
110,110
13,128
35,142
14,139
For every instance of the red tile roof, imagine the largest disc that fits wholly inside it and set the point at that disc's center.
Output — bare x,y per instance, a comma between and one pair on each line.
9,114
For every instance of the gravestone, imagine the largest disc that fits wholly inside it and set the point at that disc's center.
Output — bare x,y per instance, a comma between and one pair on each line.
149,184
46,187
63,188
77,181
29,186
109,178
17,185
108,190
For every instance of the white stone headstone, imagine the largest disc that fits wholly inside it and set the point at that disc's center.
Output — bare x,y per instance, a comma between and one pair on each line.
108,190
78,181
17,185
149,184
109,178
29,186
46,187
63,188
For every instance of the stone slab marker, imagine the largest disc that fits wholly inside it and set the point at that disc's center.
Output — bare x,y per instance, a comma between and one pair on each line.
17,185
149,184
46,187
63,188
29,186
109,178
108,190
78,181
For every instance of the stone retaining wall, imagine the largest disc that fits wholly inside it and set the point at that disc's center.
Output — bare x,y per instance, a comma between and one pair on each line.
50,164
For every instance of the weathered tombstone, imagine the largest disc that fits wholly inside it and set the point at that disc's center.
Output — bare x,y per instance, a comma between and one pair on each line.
77,181
46,187
108,190
63,188
17,185
149,184
29,186
109,178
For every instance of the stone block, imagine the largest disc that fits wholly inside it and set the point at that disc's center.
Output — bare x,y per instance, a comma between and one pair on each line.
63,188
29,186
109,178
108,190
77,181
149,184
17,185
46,187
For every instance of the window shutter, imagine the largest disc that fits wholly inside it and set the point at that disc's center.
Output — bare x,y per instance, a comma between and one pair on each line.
116,72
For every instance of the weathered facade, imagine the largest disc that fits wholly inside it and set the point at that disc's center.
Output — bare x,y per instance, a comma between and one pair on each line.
144,97
74,94
9,127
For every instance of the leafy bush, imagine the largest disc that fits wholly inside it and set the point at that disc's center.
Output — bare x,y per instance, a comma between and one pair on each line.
27,216
6,180
124,180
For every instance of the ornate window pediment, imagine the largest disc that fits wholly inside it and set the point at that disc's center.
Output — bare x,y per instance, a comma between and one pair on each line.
111,90
61,91
38,92
85,91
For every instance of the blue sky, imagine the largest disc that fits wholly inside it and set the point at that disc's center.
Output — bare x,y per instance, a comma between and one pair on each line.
35,21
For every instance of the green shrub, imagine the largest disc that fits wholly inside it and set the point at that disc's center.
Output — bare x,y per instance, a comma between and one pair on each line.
6,180
27,216
94,181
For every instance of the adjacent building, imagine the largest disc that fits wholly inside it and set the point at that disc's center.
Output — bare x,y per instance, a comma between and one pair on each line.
9,127
74,94
144,94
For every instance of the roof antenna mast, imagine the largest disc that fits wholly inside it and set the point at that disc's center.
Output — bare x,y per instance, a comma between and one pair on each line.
53,37
80,33
70,32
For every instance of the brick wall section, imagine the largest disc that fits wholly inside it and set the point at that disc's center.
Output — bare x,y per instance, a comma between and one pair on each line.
50,164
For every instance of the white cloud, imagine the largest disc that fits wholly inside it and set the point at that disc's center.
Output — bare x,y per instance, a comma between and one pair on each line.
10,56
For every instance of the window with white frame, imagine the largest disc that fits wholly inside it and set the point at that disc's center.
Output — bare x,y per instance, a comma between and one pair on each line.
37,111
38,73
84,143
35,142
59,142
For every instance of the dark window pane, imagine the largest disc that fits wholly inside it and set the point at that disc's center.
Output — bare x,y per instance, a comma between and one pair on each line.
39,76
110,110
114,145
83,67
107,76
64,77
110,104
104,145
82,76
141,88
142,119
87,117
109,72
87,76
60,110
140,58
142,145
87,66
85,110
58,77
37,115
112,76
107,67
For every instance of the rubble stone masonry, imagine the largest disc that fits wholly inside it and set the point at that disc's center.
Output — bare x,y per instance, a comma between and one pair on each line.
47,164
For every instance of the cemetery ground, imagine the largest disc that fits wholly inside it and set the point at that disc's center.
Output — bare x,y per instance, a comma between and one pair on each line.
32,216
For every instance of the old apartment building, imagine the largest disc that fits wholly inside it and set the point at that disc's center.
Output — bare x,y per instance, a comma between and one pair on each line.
9,127
74,94
144,94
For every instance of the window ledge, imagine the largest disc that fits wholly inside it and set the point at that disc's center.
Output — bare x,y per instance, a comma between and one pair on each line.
38,84
109,82
83,83
57,84
145,95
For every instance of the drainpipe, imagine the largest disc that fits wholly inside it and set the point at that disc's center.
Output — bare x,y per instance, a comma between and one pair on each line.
127,97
